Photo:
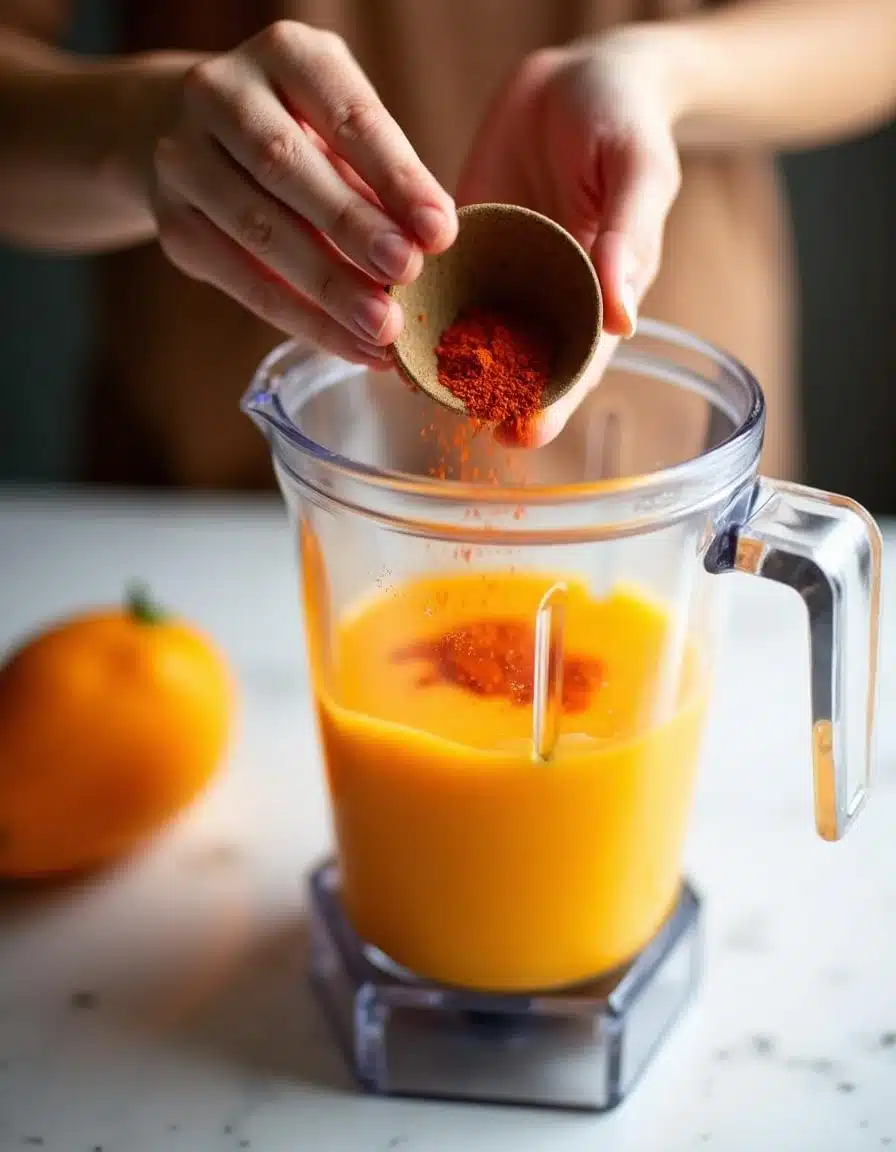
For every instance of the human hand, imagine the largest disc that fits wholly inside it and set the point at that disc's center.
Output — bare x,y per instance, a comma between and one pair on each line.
284,181
584,135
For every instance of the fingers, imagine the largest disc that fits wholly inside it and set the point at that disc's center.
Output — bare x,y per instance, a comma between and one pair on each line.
302,183
616,267
345,170
201,174
323,82
202,251
628,246
239,109
626,256
641,187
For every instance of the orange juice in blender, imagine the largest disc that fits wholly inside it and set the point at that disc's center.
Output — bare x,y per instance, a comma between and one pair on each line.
465,857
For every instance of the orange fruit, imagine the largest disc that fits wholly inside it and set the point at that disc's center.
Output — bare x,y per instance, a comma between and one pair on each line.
111,722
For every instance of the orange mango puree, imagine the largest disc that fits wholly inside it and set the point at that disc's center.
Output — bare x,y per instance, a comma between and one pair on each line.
465,859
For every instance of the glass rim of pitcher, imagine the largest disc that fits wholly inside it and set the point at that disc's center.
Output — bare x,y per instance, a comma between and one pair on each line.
653,499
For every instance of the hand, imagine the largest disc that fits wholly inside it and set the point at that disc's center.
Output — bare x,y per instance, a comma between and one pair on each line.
285,182
583,135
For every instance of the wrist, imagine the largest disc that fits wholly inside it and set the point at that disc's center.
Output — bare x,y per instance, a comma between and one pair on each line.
146,93
86,128
666,57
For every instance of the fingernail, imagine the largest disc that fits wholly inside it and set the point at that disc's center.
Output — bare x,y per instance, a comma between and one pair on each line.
391,253
428,223
630,307
371,314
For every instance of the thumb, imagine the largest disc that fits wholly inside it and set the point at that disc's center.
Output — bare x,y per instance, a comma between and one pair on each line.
627,249
617,267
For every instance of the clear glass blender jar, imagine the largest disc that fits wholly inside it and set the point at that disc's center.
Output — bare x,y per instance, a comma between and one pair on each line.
532,840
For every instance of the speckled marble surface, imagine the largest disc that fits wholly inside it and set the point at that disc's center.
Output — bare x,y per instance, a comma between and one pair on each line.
163,1005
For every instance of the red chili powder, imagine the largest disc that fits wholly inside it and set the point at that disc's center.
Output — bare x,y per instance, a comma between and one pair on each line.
497,363
497,658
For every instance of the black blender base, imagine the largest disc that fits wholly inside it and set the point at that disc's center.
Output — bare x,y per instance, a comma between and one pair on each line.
581,1048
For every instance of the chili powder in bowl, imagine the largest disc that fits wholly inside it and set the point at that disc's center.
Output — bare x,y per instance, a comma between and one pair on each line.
505,321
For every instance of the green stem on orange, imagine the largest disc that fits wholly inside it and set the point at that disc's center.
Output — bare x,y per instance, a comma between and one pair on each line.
143,608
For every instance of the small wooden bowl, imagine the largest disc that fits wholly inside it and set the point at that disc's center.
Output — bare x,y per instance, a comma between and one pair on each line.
509,257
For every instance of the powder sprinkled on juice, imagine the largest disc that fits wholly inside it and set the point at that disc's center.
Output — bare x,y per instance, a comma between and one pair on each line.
497,658
496,363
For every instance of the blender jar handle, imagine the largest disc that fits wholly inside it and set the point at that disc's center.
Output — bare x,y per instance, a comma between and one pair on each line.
828,549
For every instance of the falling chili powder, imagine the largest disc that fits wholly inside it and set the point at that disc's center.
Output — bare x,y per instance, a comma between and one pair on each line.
497,363
497,658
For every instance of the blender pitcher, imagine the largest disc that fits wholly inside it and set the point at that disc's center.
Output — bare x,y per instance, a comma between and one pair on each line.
511,653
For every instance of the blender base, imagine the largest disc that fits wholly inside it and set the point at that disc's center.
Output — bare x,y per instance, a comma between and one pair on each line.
583,1047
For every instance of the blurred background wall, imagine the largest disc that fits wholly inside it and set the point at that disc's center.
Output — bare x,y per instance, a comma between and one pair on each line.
844,206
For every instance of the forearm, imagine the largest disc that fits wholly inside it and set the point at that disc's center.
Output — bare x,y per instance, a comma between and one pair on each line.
75,139
779,73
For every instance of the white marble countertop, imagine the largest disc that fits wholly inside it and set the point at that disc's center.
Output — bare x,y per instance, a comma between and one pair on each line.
163,1005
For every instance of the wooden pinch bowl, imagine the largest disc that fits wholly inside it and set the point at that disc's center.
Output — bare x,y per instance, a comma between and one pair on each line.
510,259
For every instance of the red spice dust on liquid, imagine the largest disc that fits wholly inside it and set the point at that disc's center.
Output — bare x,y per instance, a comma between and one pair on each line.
496,658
